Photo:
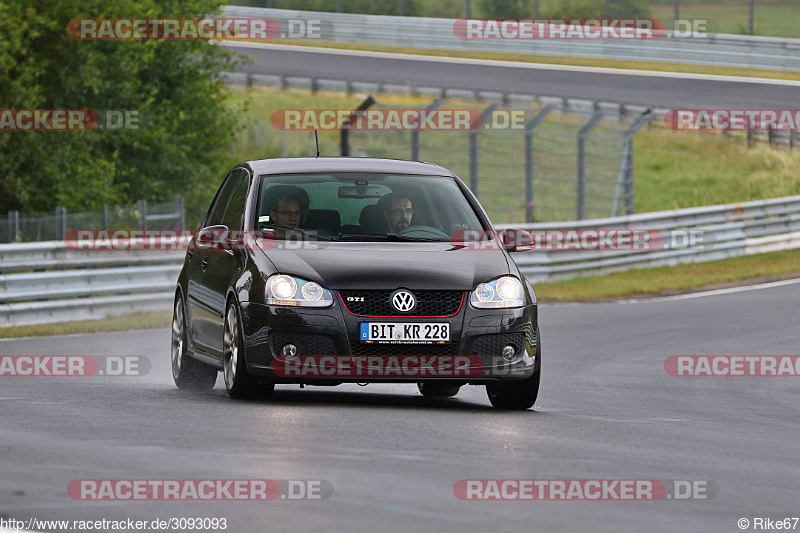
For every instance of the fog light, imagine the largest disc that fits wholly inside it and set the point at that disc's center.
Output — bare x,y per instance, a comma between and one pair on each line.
289,350
510,354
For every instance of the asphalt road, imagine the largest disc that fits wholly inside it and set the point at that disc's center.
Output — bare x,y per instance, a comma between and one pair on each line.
665,90
607,410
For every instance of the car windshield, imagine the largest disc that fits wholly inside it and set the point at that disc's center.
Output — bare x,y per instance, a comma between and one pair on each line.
364,207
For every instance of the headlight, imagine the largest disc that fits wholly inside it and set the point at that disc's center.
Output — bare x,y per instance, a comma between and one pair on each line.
501,292
288,290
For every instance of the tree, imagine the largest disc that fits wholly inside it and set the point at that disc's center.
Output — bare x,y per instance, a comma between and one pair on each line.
175,86
578,9
503,9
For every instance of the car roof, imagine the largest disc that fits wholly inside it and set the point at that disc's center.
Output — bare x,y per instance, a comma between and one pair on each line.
291,165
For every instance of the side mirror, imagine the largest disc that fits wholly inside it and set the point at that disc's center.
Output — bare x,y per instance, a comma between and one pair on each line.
211,236
517,240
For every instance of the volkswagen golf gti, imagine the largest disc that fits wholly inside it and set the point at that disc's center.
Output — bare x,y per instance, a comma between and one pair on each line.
323,271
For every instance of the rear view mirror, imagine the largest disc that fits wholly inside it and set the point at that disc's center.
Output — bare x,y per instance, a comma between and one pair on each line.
361,191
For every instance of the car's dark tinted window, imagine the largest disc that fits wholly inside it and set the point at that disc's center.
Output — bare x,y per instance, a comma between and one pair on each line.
235,210
335,205
223,196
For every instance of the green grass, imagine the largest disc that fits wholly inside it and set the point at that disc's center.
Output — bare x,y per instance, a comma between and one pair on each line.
770,18
674,279
121,323
780,18
688,169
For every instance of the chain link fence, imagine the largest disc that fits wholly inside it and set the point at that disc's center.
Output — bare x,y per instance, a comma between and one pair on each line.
556,164
17,227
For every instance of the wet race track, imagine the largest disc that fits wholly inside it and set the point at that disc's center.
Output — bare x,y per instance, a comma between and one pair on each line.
607,409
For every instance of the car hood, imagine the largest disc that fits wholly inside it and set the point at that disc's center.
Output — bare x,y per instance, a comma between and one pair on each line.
360,265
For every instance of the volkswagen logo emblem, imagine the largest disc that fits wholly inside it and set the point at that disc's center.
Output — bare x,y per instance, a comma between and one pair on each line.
403,301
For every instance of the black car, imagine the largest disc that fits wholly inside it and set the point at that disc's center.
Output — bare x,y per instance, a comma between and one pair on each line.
360,261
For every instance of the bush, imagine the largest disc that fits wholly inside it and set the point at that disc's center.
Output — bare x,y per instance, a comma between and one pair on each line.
502,9
174,85
578,9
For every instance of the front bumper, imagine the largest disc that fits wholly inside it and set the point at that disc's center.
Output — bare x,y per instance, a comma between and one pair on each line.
478,335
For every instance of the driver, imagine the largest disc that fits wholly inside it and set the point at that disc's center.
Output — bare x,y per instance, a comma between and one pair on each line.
288,207
398,211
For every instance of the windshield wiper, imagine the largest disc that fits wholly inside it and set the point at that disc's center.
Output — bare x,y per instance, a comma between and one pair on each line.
298,230
389,237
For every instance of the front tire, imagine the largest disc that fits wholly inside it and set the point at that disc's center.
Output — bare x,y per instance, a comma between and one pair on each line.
518,395
238,381
188,373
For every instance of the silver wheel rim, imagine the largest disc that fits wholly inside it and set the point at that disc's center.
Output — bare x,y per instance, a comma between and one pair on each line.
230,348
177,338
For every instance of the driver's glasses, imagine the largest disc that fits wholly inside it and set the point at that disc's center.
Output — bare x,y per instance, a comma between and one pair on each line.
400,212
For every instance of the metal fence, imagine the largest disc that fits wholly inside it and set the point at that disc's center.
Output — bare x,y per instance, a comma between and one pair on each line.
18,227
557,164
49,282
724,231
565,166
46,282
436,33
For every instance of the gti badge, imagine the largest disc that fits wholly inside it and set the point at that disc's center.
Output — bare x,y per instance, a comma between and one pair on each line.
403,301
355,298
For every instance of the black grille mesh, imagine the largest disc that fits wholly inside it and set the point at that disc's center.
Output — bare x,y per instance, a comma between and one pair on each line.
377,303
493,344
307,343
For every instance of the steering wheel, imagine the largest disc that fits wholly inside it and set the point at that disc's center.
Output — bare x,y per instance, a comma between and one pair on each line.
424,232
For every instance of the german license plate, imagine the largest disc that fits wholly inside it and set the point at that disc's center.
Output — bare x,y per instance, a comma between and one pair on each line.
406,332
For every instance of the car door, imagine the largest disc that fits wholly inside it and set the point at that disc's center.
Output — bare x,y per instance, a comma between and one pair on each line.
226,263
201,309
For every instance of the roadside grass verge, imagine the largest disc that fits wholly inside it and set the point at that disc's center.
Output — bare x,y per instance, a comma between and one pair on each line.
662,281
159,319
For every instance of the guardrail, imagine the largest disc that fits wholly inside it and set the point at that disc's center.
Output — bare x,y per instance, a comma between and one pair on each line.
729,230
60,284
721,49
48,281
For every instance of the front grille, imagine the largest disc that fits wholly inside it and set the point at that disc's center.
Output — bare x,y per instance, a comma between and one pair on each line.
307,343
386,350
378,303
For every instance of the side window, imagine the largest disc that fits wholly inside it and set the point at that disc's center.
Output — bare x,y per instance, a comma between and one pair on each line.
223,196
235,211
